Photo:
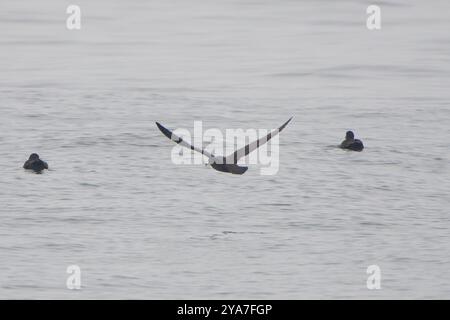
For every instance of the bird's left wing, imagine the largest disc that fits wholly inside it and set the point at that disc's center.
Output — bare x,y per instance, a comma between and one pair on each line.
169,134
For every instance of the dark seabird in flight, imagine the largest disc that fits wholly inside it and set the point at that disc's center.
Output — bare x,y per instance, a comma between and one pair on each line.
35,164
229,163
351,143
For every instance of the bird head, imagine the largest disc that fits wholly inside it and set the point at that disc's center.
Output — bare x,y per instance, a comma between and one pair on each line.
34,156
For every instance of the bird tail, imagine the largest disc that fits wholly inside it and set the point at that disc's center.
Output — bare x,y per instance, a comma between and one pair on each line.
235,169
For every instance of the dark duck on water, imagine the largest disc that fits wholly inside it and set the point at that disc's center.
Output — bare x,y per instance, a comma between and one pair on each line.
35,163
350,143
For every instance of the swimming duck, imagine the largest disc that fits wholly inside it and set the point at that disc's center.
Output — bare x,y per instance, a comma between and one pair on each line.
35,164
351,143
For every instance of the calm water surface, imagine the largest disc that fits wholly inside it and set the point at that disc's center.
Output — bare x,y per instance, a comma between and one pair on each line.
139,226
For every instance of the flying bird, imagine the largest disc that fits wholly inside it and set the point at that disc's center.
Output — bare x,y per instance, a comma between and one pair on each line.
228,163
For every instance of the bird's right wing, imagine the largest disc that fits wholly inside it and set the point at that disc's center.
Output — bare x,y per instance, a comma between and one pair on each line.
244,151
169,134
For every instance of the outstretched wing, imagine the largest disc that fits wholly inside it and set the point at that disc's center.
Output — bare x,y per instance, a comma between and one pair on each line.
242,152
169,134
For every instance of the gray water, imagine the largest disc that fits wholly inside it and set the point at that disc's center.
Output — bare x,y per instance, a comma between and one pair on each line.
140,226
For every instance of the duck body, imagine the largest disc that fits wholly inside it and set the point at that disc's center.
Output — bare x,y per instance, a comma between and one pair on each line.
354,145
350,143
35,163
